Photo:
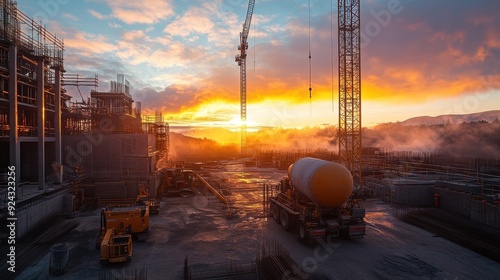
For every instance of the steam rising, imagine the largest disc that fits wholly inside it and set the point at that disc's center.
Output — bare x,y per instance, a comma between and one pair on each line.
474,139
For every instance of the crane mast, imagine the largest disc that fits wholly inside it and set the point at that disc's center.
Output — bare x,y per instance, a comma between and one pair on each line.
241,59
349,55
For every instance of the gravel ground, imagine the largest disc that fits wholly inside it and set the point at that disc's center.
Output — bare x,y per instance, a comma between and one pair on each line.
197,228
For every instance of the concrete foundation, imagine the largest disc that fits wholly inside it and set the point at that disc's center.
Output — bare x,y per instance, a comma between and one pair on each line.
407,193
413,195
38,211
454,198
485,213
456,202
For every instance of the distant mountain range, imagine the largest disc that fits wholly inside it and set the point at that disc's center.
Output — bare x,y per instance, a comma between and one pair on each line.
488,116
468,135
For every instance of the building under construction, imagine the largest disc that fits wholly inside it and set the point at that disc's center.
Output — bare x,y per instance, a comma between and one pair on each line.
110,141
102,148
31,95
95,148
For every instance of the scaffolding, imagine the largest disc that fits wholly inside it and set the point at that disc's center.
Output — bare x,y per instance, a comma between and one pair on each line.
31,96
34,43
154,124
76,115
77,80
30,37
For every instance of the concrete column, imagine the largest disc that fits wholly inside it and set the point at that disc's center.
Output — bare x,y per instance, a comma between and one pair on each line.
40,99
14,144
58,123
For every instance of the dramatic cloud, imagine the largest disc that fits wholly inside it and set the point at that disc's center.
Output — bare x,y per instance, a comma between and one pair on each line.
82,42
430,50
148,12
179,55
194,21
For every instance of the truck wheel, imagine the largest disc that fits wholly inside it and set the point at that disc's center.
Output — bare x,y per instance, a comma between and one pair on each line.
275,211
186,193
285,219
303,232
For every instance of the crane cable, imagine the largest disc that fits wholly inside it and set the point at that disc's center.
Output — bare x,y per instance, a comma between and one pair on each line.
254,23
310,76
331,50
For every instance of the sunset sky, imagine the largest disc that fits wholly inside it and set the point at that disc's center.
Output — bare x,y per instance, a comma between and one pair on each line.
420,57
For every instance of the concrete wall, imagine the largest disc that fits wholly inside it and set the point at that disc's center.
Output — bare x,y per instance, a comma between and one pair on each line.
464,204
154,186
410,194
111,156
121,189
111,189
382,191
34,214
462,187
485,213
458,203
413,195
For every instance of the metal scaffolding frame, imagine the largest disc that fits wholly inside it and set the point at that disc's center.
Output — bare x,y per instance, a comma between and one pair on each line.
349,36
29,36
31,64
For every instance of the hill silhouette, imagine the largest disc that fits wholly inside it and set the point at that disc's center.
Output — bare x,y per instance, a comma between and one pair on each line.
472,136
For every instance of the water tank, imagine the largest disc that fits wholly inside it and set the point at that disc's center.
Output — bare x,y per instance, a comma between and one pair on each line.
58,259
325,183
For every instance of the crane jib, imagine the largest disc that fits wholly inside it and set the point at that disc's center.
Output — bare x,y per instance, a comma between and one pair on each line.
241,60
248,19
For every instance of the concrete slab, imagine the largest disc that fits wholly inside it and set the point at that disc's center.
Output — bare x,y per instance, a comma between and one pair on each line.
197,227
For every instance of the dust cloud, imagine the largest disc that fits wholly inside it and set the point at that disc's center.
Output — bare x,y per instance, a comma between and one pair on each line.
471,140
199,149
474,140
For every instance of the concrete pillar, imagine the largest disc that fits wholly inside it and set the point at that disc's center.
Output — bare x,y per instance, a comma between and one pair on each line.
40,99
58,123
14,144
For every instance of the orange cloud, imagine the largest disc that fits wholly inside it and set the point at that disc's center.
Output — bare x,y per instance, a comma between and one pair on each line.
89,43
132,12
416,58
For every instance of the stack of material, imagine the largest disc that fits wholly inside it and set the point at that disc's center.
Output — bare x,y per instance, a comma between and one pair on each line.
273,262
137,274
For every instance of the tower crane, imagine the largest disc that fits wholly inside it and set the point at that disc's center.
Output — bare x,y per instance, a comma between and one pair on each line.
349,55
241,59
349,75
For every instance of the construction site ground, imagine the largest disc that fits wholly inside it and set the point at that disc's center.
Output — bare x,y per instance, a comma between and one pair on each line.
198,228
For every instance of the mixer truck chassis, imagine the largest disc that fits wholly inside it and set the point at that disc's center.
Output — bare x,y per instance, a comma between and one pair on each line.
316,223
315,199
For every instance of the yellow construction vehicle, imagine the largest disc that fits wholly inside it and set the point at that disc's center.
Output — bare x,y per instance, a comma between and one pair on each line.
143,198
115,248
177,182
125,220
151,203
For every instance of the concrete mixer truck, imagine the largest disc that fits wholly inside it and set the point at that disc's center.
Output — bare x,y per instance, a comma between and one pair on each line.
315,198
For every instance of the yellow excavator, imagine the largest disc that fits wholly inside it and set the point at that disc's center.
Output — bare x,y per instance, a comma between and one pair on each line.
116,248
124,220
